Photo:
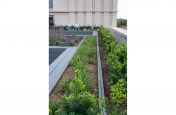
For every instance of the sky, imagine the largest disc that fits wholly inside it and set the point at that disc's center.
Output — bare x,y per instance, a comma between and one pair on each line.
122,9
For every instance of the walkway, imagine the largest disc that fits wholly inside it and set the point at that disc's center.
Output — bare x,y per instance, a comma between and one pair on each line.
119,34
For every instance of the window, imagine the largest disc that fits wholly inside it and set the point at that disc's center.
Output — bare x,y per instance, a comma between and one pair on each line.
51,20
50,3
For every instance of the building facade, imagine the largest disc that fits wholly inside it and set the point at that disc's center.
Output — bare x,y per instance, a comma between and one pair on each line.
83,12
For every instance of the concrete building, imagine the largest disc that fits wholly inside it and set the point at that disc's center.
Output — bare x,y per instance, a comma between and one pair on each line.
83,12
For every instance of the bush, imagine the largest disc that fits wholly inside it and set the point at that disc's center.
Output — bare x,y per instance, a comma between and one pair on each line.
82,103
53,107
64,87
108,39
50,112
121,22
116,56
77,99
119,97
76,86
117,61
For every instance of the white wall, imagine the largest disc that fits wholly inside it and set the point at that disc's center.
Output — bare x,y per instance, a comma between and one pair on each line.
60,5
80,18
106,5
61,21
80,6
71,5
71,18
97,5
85,12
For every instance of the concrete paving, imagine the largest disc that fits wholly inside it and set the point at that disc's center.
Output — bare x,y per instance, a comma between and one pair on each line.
119,34
54,53
120,30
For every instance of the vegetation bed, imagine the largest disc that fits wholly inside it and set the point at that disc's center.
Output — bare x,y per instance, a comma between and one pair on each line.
71,40
77,93
114,65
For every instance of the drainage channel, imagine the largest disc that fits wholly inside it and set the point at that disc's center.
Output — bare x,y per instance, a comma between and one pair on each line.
100,76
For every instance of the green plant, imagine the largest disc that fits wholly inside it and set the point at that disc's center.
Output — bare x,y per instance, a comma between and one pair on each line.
116,56
50,112
53,106
116,59
86,51
76,86
91,61
121,22
85,55
64,87
119,97
82,103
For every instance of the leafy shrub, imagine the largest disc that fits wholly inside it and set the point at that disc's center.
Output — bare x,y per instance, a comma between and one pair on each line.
83,103
50,112
53,106
82,74
78,100
76,86
117,61
108,39
119,97
64,87
116,56
121,22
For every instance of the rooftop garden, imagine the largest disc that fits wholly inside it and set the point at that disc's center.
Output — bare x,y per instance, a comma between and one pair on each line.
76,93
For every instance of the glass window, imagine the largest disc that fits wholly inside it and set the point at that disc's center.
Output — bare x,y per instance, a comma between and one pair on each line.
51,20
50,3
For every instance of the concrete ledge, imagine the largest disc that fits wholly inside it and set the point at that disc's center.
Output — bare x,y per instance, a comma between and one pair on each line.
59,60
58,68
120,31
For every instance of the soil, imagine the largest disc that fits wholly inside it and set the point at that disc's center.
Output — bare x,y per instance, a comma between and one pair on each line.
107,89
92,69
68,74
